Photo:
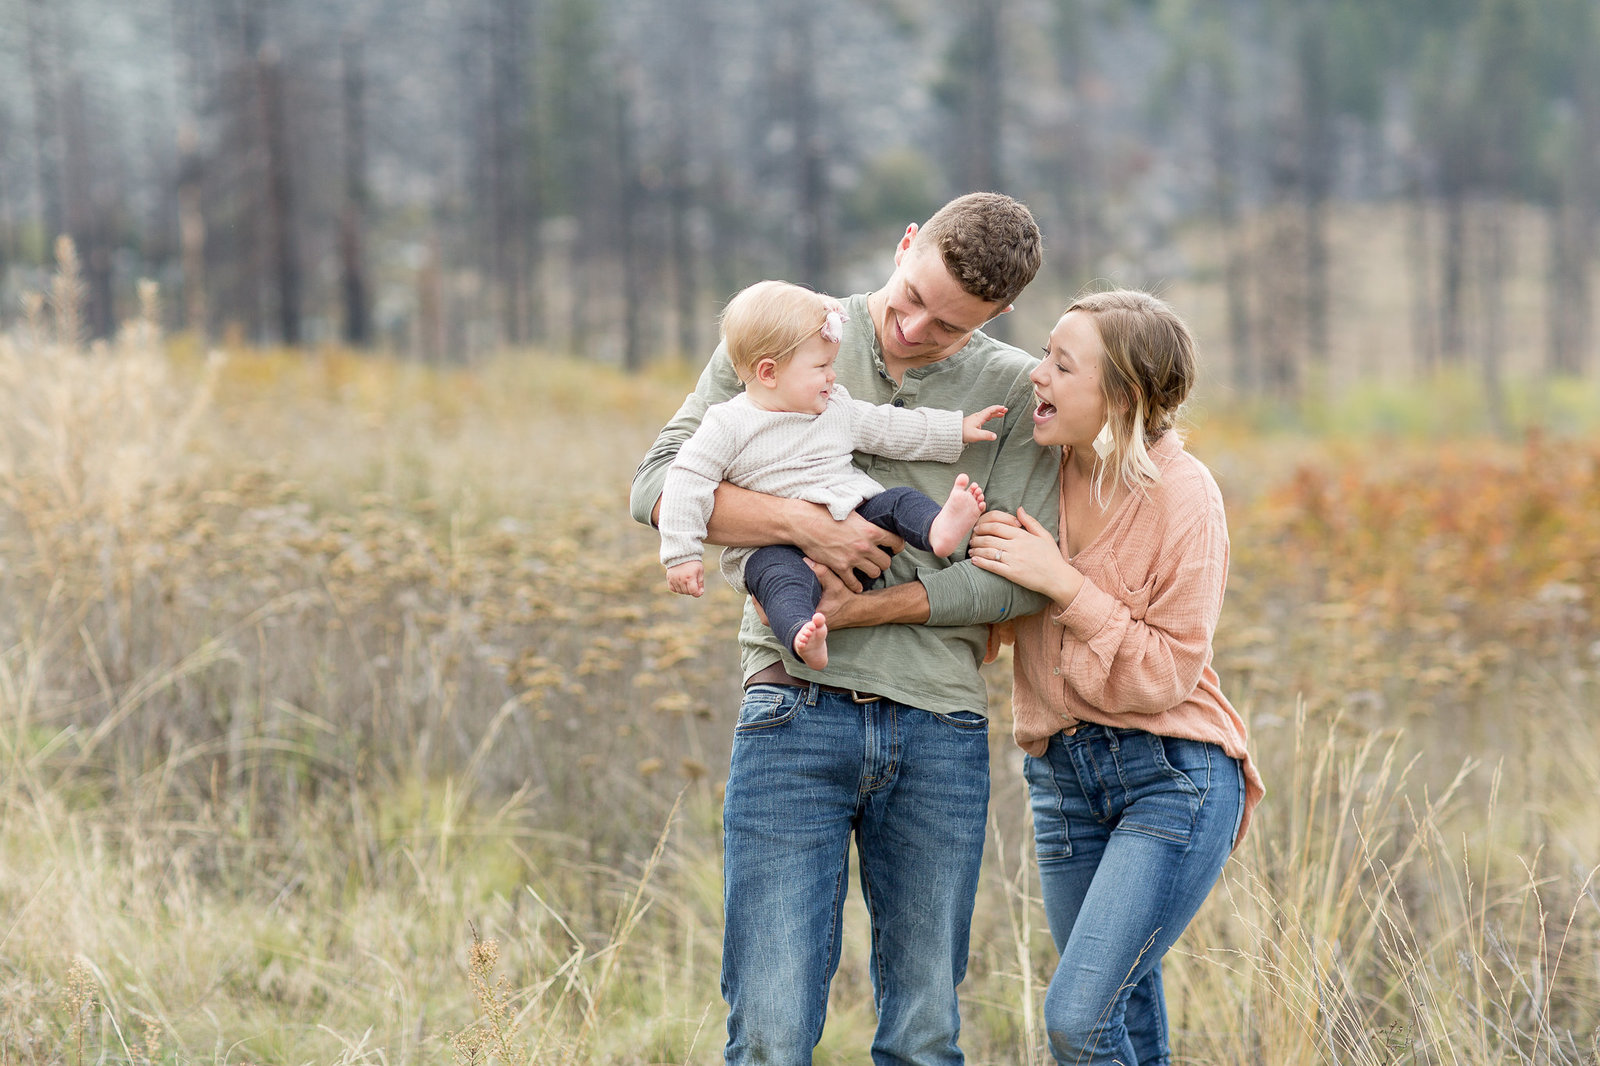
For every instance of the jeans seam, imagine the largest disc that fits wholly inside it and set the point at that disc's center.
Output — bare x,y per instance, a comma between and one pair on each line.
1159,834
1101,804
840,886
1064,849
878,960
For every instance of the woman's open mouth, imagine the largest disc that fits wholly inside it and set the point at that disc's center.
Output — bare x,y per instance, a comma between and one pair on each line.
1044,412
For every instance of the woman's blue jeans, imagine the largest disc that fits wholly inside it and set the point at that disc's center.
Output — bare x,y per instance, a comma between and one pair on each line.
811,769
1132,831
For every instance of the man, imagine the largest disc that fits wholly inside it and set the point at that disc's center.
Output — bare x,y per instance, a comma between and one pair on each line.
889,742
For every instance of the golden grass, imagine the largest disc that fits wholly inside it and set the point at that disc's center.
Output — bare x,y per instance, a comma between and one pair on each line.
345,718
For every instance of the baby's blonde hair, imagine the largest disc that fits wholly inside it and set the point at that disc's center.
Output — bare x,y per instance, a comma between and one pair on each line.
769,320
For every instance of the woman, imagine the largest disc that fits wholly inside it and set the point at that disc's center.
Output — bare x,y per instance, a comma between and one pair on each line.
1137,766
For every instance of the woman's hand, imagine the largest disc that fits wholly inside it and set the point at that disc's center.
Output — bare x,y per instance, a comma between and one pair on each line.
1019,549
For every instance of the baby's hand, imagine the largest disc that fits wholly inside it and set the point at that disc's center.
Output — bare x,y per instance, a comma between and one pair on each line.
971,430
687,579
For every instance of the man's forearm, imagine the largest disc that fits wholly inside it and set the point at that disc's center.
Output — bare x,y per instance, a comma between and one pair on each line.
746,519
905,604
741,518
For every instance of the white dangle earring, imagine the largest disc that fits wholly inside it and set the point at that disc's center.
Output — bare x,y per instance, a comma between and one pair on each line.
1104,442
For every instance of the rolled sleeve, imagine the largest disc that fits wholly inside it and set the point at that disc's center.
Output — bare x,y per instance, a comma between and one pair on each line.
963,595
1090,612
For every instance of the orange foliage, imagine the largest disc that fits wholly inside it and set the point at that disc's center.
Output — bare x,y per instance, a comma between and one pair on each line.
1423,569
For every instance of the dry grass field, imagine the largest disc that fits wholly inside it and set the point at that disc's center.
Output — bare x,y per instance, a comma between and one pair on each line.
346,718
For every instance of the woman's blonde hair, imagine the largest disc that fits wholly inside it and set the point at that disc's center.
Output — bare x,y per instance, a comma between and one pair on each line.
1148,370
769,320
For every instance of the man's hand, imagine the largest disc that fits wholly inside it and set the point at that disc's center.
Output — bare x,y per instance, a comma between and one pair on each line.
687,579
837,600
746,519
906,603
845,547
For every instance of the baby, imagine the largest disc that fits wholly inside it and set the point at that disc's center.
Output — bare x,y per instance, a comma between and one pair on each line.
791,433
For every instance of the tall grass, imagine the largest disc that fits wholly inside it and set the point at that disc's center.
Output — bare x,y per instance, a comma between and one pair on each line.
345,718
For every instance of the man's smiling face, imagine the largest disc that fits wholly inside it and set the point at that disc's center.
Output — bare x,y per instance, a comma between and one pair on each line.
924,314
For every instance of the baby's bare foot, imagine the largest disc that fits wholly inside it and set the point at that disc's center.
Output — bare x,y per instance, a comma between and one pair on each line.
811,643
957,517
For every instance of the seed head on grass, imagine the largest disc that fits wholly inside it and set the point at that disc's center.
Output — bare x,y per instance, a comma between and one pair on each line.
151,1047
80,989
494,1034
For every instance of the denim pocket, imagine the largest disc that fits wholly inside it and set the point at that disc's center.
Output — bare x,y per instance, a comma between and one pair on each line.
966,721
768,706
1187,762
1167,781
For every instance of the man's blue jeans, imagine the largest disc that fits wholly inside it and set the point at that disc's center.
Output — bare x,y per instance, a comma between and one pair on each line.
1132,831
810,769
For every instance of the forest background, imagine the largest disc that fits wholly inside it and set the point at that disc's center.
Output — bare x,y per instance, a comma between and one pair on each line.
344,714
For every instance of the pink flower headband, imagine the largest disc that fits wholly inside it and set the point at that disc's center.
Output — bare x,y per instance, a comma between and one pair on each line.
833,325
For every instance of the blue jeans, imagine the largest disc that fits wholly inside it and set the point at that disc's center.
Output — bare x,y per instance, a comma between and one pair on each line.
1132,831
810,769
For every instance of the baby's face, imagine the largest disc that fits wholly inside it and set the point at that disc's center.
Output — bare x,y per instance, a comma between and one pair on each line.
805,381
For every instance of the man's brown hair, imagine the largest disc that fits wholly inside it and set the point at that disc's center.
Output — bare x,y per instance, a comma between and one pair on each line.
989,243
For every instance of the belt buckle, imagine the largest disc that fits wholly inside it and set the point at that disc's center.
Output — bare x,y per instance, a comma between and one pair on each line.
866,697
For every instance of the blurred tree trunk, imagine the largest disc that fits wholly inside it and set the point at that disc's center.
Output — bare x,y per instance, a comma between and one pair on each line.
1508,108
630,214
1442,117
188,40
974,90
1279,261
1587,193
283,238
431,341
1316,178
1571,218
240,252
353,282
86,202
1452,273
192,231
577,95
980,96
43,65
810,160
1075,153
1222,127
10,211
1493,263
728,227
691,102
1419,274
1570,236
680,238
512,211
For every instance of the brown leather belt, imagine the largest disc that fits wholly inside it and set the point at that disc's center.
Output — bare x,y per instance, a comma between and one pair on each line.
777,675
